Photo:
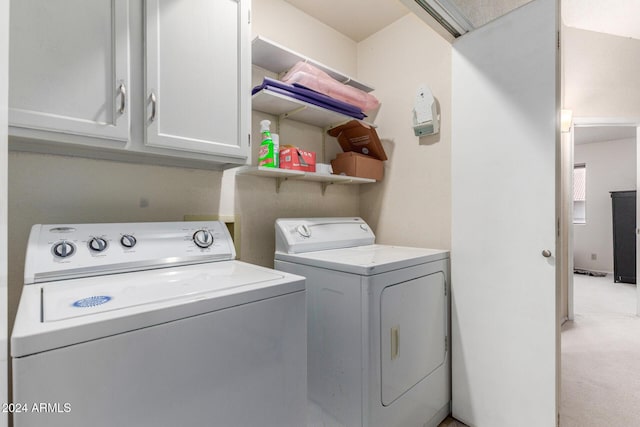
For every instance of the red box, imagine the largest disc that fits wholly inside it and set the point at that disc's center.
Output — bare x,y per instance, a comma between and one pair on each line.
297,159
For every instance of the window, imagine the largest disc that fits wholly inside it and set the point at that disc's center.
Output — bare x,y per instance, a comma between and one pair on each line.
579,194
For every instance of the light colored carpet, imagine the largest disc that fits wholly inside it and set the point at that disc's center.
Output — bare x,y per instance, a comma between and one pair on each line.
601,356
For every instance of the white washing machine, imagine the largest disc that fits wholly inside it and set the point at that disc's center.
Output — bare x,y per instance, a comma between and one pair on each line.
155,324
378,324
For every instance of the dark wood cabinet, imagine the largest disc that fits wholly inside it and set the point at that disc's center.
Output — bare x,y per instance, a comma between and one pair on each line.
624,236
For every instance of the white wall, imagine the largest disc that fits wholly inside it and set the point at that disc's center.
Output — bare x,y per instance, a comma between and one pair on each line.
611,166
283,23
4,69
412,205
601,74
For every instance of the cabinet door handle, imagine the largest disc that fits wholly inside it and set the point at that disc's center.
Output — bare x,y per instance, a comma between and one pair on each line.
123,98
154,101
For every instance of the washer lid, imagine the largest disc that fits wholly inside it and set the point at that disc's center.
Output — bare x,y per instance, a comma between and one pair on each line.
366,260
67,312
76,298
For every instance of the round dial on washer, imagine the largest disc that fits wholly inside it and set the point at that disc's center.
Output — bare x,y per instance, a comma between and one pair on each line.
63,249
128,241
203,238
98,244
304,230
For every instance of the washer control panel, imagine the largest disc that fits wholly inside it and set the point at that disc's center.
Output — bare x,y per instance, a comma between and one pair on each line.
56,252
203,238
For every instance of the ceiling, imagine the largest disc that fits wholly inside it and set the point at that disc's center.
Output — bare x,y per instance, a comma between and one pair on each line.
358,19
588,134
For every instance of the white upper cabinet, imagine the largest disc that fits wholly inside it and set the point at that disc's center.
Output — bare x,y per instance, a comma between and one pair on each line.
155,81
197,76
69,67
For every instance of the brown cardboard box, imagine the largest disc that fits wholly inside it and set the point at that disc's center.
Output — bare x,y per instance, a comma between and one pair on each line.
358,137
356,164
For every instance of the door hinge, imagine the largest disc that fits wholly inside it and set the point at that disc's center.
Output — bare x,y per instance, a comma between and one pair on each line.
558,226
249,139
558,38
249,16
445,288
446,344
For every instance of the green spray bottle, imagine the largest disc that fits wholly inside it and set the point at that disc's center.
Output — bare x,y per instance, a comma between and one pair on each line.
267,155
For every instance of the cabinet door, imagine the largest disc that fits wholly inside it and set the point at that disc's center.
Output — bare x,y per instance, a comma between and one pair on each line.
197,76
69,67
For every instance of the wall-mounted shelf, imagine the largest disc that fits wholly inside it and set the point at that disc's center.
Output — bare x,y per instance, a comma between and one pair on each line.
286,107
286,174
276,58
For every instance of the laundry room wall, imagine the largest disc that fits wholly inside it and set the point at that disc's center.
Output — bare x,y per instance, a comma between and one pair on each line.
412,205
48,189
601,74
611,166
257,204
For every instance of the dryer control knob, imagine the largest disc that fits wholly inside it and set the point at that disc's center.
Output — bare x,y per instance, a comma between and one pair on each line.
97,244
128,241
63,249
304,230
203,238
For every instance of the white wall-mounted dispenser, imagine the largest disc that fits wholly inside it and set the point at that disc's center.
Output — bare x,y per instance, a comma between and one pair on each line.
426,120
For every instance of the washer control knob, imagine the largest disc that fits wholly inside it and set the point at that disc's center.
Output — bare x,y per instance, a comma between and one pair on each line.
97,244
364,227
128,241
203,239
63,249
304,230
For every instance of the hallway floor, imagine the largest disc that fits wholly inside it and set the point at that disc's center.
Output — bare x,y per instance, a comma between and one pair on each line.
601,356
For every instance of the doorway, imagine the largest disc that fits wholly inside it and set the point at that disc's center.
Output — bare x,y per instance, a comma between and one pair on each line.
600,339
607,149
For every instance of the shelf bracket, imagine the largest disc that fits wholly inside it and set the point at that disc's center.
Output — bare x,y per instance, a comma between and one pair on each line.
324,146
325,185
278,183
292,112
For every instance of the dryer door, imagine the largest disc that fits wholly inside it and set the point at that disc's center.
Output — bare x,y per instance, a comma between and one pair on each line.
413,331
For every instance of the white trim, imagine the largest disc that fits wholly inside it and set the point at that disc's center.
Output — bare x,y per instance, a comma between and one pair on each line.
605,121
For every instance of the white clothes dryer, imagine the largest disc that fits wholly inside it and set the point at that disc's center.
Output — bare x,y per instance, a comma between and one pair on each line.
155,324
378,324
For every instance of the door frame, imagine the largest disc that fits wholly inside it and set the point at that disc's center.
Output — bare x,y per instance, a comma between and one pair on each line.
4,126
568,164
